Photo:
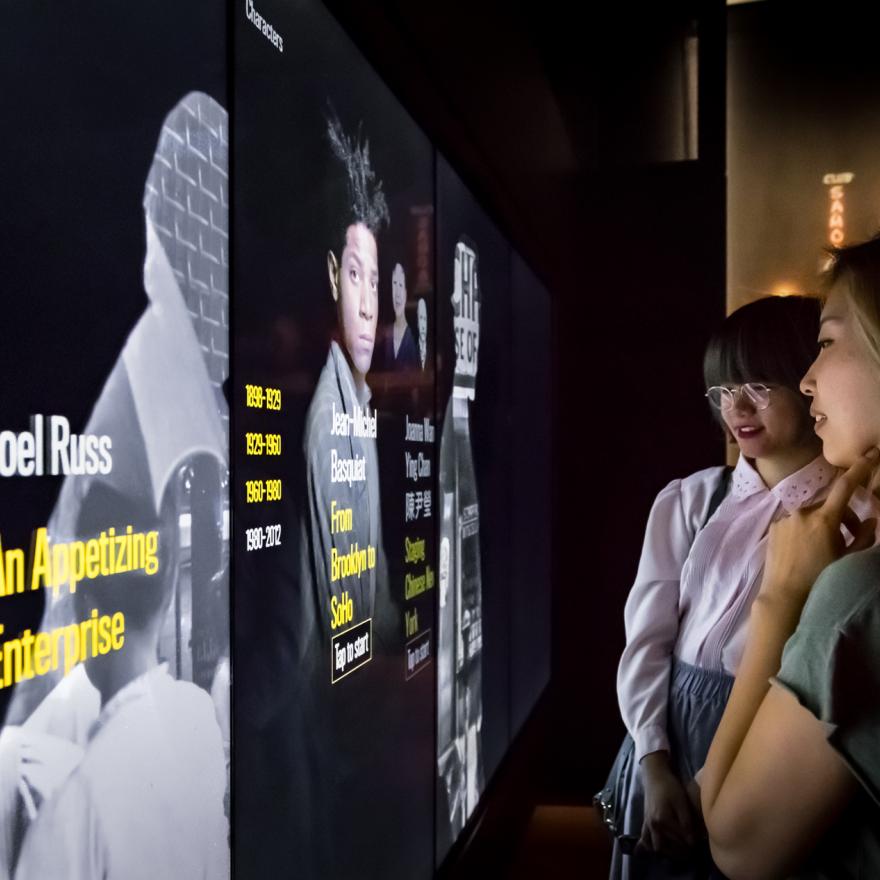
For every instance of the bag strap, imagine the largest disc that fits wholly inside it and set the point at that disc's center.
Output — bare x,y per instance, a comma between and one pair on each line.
719,493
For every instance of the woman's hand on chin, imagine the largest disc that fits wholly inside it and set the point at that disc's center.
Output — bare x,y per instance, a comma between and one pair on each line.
800,546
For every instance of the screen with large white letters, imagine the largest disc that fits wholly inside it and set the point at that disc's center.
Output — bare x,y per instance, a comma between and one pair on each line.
114,453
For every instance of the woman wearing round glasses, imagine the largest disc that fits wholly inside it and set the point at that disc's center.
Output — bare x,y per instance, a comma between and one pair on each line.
792,780
700,570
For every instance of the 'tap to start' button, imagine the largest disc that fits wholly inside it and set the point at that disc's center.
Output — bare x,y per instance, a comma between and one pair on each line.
350,650
418,653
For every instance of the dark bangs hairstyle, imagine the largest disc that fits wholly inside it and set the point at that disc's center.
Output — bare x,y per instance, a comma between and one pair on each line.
772,340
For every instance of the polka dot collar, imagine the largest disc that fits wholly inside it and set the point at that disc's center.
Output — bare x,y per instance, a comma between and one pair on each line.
793,492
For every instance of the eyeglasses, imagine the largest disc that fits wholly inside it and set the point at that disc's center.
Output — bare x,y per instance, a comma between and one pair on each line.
724,398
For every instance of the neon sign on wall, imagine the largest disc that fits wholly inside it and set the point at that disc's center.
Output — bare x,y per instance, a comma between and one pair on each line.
836,192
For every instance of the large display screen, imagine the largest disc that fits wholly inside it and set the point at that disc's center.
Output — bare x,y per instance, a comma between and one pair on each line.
335,450
264,367
114,522
473,356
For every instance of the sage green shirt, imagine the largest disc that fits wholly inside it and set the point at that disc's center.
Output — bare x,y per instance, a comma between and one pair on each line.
832,666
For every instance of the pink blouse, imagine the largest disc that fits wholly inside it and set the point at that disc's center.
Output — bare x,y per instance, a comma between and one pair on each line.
695,586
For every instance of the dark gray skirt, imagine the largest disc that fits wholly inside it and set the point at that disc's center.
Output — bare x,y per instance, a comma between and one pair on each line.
697,698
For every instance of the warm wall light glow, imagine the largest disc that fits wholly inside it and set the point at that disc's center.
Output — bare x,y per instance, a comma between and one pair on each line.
836,184
785,289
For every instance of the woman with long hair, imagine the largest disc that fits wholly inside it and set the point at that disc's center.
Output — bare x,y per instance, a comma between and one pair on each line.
791,783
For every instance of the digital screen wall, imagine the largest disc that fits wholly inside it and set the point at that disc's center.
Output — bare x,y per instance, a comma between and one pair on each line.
114,464
335,450
473,355
259,469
